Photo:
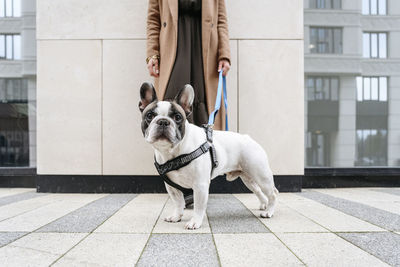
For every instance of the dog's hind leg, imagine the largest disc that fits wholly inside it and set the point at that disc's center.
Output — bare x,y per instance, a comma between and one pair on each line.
253,187
268,188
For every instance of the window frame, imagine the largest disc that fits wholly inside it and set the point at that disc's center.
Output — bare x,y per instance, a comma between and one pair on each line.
328,31
314,4
377,8
363,89
14,12
323,78
6,48
378,44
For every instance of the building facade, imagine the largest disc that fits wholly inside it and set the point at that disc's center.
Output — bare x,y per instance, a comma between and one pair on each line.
17,83
91,63
352,83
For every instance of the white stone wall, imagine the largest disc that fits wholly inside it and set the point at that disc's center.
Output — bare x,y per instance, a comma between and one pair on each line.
91,63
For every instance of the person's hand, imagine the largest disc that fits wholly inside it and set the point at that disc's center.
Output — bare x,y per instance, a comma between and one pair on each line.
152,66
224,66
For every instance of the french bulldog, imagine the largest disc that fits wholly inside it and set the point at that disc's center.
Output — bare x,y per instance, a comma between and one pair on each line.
166,128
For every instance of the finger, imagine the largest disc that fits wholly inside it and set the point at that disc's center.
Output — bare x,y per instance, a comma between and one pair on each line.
157,71
150,69
226,69
220,66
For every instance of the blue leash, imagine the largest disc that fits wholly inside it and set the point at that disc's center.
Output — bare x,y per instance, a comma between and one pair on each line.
221,85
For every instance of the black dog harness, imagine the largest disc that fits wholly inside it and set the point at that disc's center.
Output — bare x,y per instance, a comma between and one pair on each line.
184,159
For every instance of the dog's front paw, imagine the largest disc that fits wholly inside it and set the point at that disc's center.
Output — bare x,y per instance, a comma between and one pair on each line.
193,224
174,218
263,206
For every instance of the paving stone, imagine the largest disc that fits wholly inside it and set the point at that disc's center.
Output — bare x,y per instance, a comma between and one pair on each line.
179,250
23,206
385,246
285,219
227,214
19,197
54,243
90,216
179,227
138,216
9,237
364,212
393,191
4,192
379,200
330,218
60,206
105,249
17,257
253,250
327,249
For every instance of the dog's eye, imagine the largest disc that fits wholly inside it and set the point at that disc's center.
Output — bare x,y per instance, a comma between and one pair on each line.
149,116
178,117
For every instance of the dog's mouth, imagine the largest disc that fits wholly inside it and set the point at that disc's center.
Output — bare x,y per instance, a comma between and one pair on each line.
164,134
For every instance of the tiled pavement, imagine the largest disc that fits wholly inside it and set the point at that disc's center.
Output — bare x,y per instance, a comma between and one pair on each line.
319,227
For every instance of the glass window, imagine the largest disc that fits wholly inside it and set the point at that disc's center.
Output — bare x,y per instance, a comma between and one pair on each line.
382,88
10,8
14,127
13,90
365,7
359,88
325,40
371,147
334,89
382,7
17,8
372,88
382,45
322,88
375,45
10,46
366,45
367,89
374,7
2,46
326,4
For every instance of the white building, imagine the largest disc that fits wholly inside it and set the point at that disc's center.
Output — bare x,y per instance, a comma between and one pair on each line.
352,82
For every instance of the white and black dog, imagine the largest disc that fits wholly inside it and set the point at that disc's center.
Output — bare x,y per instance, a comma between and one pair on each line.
166,128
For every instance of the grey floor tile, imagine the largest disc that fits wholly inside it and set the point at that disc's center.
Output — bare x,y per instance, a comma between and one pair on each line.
19,197
89,217
179,250
393,191
384,219
385,246
9,237
227,214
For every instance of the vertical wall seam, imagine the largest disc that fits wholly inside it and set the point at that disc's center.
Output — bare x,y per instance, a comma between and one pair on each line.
101,116
237,85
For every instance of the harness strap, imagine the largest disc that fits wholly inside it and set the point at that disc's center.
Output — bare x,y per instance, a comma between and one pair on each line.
184,159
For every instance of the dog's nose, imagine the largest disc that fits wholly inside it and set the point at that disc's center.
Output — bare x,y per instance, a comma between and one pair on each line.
163,122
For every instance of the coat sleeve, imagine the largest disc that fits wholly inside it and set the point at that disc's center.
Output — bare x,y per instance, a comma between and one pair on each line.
153,28
223,34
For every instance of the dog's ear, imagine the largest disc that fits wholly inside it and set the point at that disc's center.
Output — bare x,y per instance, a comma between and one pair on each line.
185,98
147,95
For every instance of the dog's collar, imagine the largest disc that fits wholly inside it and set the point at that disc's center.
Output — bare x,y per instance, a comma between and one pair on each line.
184,160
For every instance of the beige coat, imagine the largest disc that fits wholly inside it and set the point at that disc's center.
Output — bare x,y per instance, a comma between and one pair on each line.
162,29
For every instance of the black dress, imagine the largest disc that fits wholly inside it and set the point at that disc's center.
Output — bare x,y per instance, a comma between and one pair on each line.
188,66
